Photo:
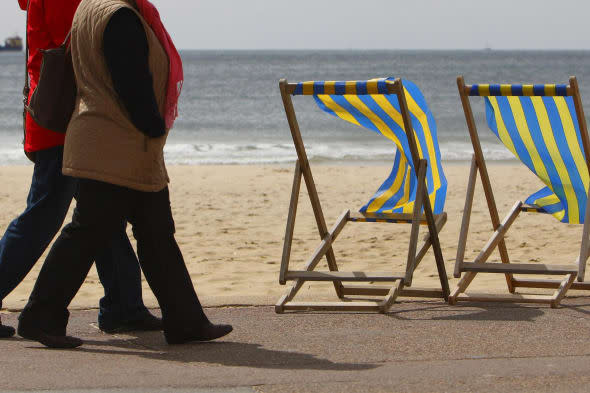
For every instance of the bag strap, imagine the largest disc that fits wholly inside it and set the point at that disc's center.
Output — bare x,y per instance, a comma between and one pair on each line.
67,39
27,87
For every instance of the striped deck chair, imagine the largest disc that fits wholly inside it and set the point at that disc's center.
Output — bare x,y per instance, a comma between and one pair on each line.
544,127
414,193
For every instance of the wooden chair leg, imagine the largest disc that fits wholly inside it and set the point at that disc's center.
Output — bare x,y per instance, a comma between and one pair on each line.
290,223
427,241
562,290
326,243
287,297
415,231
586,149
585,244
461,287
466,218
308,177
394,292
499,234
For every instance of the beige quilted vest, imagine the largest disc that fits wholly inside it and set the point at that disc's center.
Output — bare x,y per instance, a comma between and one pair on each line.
101,142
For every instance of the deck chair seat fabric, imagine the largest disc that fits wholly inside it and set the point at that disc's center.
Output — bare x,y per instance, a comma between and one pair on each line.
543,133
367,104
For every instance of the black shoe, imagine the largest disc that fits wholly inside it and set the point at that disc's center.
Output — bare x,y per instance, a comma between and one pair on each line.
49,340
6,331
207,333
143,322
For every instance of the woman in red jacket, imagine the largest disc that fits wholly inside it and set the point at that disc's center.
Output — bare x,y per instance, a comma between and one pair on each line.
51,193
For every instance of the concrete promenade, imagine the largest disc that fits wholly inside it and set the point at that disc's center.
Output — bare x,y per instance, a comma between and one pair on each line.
417,347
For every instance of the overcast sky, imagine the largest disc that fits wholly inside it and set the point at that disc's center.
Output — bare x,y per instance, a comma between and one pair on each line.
371,24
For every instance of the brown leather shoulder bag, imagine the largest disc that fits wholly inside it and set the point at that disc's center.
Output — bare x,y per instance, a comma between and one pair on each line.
52,103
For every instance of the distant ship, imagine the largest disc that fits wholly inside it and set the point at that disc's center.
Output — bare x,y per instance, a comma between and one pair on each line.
12,44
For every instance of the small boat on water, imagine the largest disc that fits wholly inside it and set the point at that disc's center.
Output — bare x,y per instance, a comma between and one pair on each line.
14,43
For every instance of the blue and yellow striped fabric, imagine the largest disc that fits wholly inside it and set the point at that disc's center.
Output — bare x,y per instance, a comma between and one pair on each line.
374,86
368,104
518,90
543,133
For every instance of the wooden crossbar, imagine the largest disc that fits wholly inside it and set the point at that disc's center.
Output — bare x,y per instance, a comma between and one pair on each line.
547,283
375,290
332,306
480,265
394,218
342,276
516,298
526,208
519,268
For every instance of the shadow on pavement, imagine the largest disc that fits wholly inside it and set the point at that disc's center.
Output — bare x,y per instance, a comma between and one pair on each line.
581,308
467,311
223,353
495,313
470,312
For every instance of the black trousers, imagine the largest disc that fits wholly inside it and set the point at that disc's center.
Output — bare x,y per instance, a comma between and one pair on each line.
100,209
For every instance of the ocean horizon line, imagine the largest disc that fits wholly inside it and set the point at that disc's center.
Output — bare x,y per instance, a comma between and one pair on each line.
388,49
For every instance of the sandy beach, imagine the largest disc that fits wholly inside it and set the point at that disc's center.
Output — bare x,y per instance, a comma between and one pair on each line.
230,223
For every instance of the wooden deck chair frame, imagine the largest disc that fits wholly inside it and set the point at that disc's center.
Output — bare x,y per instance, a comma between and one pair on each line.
387,294
480,264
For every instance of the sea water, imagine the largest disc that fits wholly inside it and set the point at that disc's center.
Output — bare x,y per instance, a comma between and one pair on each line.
231,111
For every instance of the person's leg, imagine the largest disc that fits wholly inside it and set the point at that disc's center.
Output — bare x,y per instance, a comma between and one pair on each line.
27,237
122,308
6,331
99,211
164,268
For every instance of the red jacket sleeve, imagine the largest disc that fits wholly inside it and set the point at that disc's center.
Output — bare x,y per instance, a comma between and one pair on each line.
58,17
23,4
